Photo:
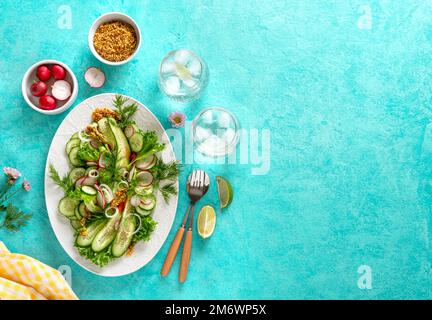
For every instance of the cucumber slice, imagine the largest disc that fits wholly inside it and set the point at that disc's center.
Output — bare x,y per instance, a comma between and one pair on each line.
77,213
91,231
73,157
124,236
75,136
136,142
72,143
89,190
76,173
148,203
67,207
93,207
82,209
144,191
143,212
106,235
76,224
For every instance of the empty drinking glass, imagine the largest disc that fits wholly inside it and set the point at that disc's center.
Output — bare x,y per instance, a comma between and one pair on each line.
183,75
216,132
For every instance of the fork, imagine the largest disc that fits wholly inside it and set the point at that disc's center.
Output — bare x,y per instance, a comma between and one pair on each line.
197,186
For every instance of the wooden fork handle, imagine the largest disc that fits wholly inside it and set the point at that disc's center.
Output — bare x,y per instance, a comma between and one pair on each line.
172,252
184,265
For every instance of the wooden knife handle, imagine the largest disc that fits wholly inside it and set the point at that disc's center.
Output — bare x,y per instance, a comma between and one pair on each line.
184,265
172,252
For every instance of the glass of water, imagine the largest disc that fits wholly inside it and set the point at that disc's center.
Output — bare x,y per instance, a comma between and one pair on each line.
216,132
183,75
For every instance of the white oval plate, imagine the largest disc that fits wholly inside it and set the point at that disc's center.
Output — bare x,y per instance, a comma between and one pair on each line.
164,213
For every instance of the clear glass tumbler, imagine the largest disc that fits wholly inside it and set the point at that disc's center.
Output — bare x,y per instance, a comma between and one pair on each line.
216,132
183,75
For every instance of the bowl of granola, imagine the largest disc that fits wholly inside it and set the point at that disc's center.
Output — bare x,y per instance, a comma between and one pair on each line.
114,38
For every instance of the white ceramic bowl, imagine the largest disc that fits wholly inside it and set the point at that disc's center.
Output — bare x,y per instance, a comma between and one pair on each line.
111,16
30,77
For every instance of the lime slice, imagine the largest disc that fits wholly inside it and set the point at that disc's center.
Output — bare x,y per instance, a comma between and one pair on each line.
225,192
206,221
182,71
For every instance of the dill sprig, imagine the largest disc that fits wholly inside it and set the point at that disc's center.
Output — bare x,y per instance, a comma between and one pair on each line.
125,111
15,218
166,171
167,191
63,182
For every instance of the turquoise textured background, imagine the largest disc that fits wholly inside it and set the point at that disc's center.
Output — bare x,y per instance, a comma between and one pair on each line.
351,149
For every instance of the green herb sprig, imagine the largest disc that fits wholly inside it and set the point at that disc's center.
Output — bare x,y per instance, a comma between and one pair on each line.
125,111
14,218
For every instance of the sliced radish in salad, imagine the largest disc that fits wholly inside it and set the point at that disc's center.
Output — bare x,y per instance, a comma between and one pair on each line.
146,163
135,201
94,77
129,131
100,197
145,178
102,161
61,90
94,144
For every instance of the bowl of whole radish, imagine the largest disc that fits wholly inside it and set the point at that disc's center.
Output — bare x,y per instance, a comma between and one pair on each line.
49,87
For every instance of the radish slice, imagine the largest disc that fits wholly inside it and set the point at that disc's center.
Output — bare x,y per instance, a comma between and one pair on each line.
129,131
61,90
131,174
101,161
80,181
135,201
91,163
140,222
101,199
146,201
143,164
94,77
145,178
85,181
107,192
94,144
111,212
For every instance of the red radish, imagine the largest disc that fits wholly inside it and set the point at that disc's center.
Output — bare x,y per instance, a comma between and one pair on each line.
91,163
94,144
94,77
38,88
145,178
132,157
47,102
58,72
61,90
43,73
101,161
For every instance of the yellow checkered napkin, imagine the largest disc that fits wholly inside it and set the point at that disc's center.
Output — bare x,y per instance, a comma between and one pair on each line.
22,277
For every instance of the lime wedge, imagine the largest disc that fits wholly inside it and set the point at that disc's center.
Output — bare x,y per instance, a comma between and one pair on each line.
225,191
206,221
